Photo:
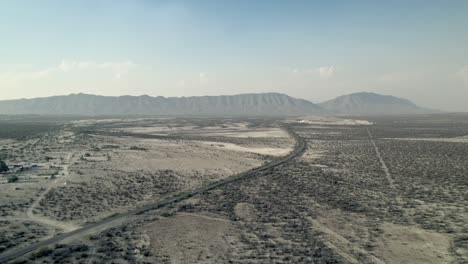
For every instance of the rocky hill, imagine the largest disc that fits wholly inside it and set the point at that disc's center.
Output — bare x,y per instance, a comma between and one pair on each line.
372,104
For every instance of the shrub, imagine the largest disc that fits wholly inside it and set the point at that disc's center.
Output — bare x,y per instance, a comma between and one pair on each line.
110,147
12,178
42,252
3,167
138,148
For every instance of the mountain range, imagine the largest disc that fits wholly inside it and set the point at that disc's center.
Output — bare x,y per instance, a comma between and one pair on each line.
372,104
262,104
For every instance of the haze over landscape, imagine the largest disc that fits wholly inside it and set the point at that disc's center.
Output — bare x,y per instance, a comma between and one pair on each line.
306,49
237,132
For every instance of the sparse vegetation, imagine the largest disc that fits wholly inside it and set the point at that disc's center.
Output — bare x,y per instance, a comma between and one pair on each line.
42,252
25,128
3,167
336,194
138,148
12,178
110,147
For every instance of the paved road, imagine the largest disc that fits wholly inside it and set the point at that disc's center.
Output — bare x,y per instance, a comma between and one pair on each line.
297,151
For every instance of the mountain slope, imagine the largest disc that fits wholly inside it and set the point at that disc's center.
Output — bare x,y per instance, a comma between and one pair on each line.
372,104
265,104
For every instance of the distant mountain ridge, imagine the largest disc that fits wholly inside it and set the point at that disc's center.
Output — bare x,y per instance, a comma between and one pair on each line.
263,104
252,104
365,103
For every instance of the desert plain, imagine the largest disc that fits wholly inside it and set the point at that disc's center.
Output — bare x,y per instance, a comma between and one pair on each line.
363,190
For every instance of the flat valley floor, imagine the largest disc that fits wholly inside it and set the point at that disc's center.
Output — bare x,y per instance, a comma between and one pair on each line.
366,190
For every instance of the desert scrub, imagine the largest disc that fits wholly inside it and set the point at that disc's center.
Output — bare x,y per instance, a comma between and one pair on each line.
12,178
138,148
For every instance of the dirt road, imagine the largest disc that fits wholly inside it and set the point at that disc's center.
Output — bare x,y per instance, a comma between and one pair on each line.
58,182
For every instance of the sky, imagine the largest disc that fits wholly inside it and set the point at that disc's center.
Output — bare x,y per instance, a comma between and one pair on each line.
314,50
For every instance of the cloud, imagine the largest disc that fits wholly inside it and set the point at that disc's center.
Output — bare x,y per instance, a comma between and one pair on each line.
202,77
326,72
117,69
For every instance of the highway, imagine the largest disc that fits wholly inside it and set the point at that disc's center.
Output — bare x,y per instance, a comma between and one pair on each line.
298,150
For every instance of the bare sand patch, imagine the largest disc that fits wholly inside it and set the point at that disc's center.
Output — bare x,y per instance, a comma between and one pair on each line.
463,139
318,120
154,130
265,133
163,129
183,156
252,149
245,212
345,233
190,238
311,155
405,244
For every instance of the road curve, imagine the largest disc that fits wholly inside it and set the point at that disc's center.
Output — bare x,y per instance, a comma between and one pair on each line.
298,150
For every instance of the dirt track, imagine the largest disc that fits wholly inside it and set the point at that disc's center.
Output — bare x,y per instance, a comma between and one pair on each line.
47,221
382,162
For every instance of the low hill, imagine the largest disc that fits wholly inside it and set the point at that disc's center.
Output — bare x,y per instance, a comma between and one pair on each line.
263,104
372,104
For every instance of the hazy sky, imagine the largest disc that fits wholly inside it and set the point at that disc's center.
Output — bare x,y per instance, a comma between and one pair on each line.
309,49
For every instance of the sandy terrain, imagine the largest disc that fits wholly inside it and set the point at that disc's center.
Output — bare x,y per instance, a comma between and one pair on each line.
117,165
406,244
180,156
317,120
354,196
257,133
251,149
193,238
84,177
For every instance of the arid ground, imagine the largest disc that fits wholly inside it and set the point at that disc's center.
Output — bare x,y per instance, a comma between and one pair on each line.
366,190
